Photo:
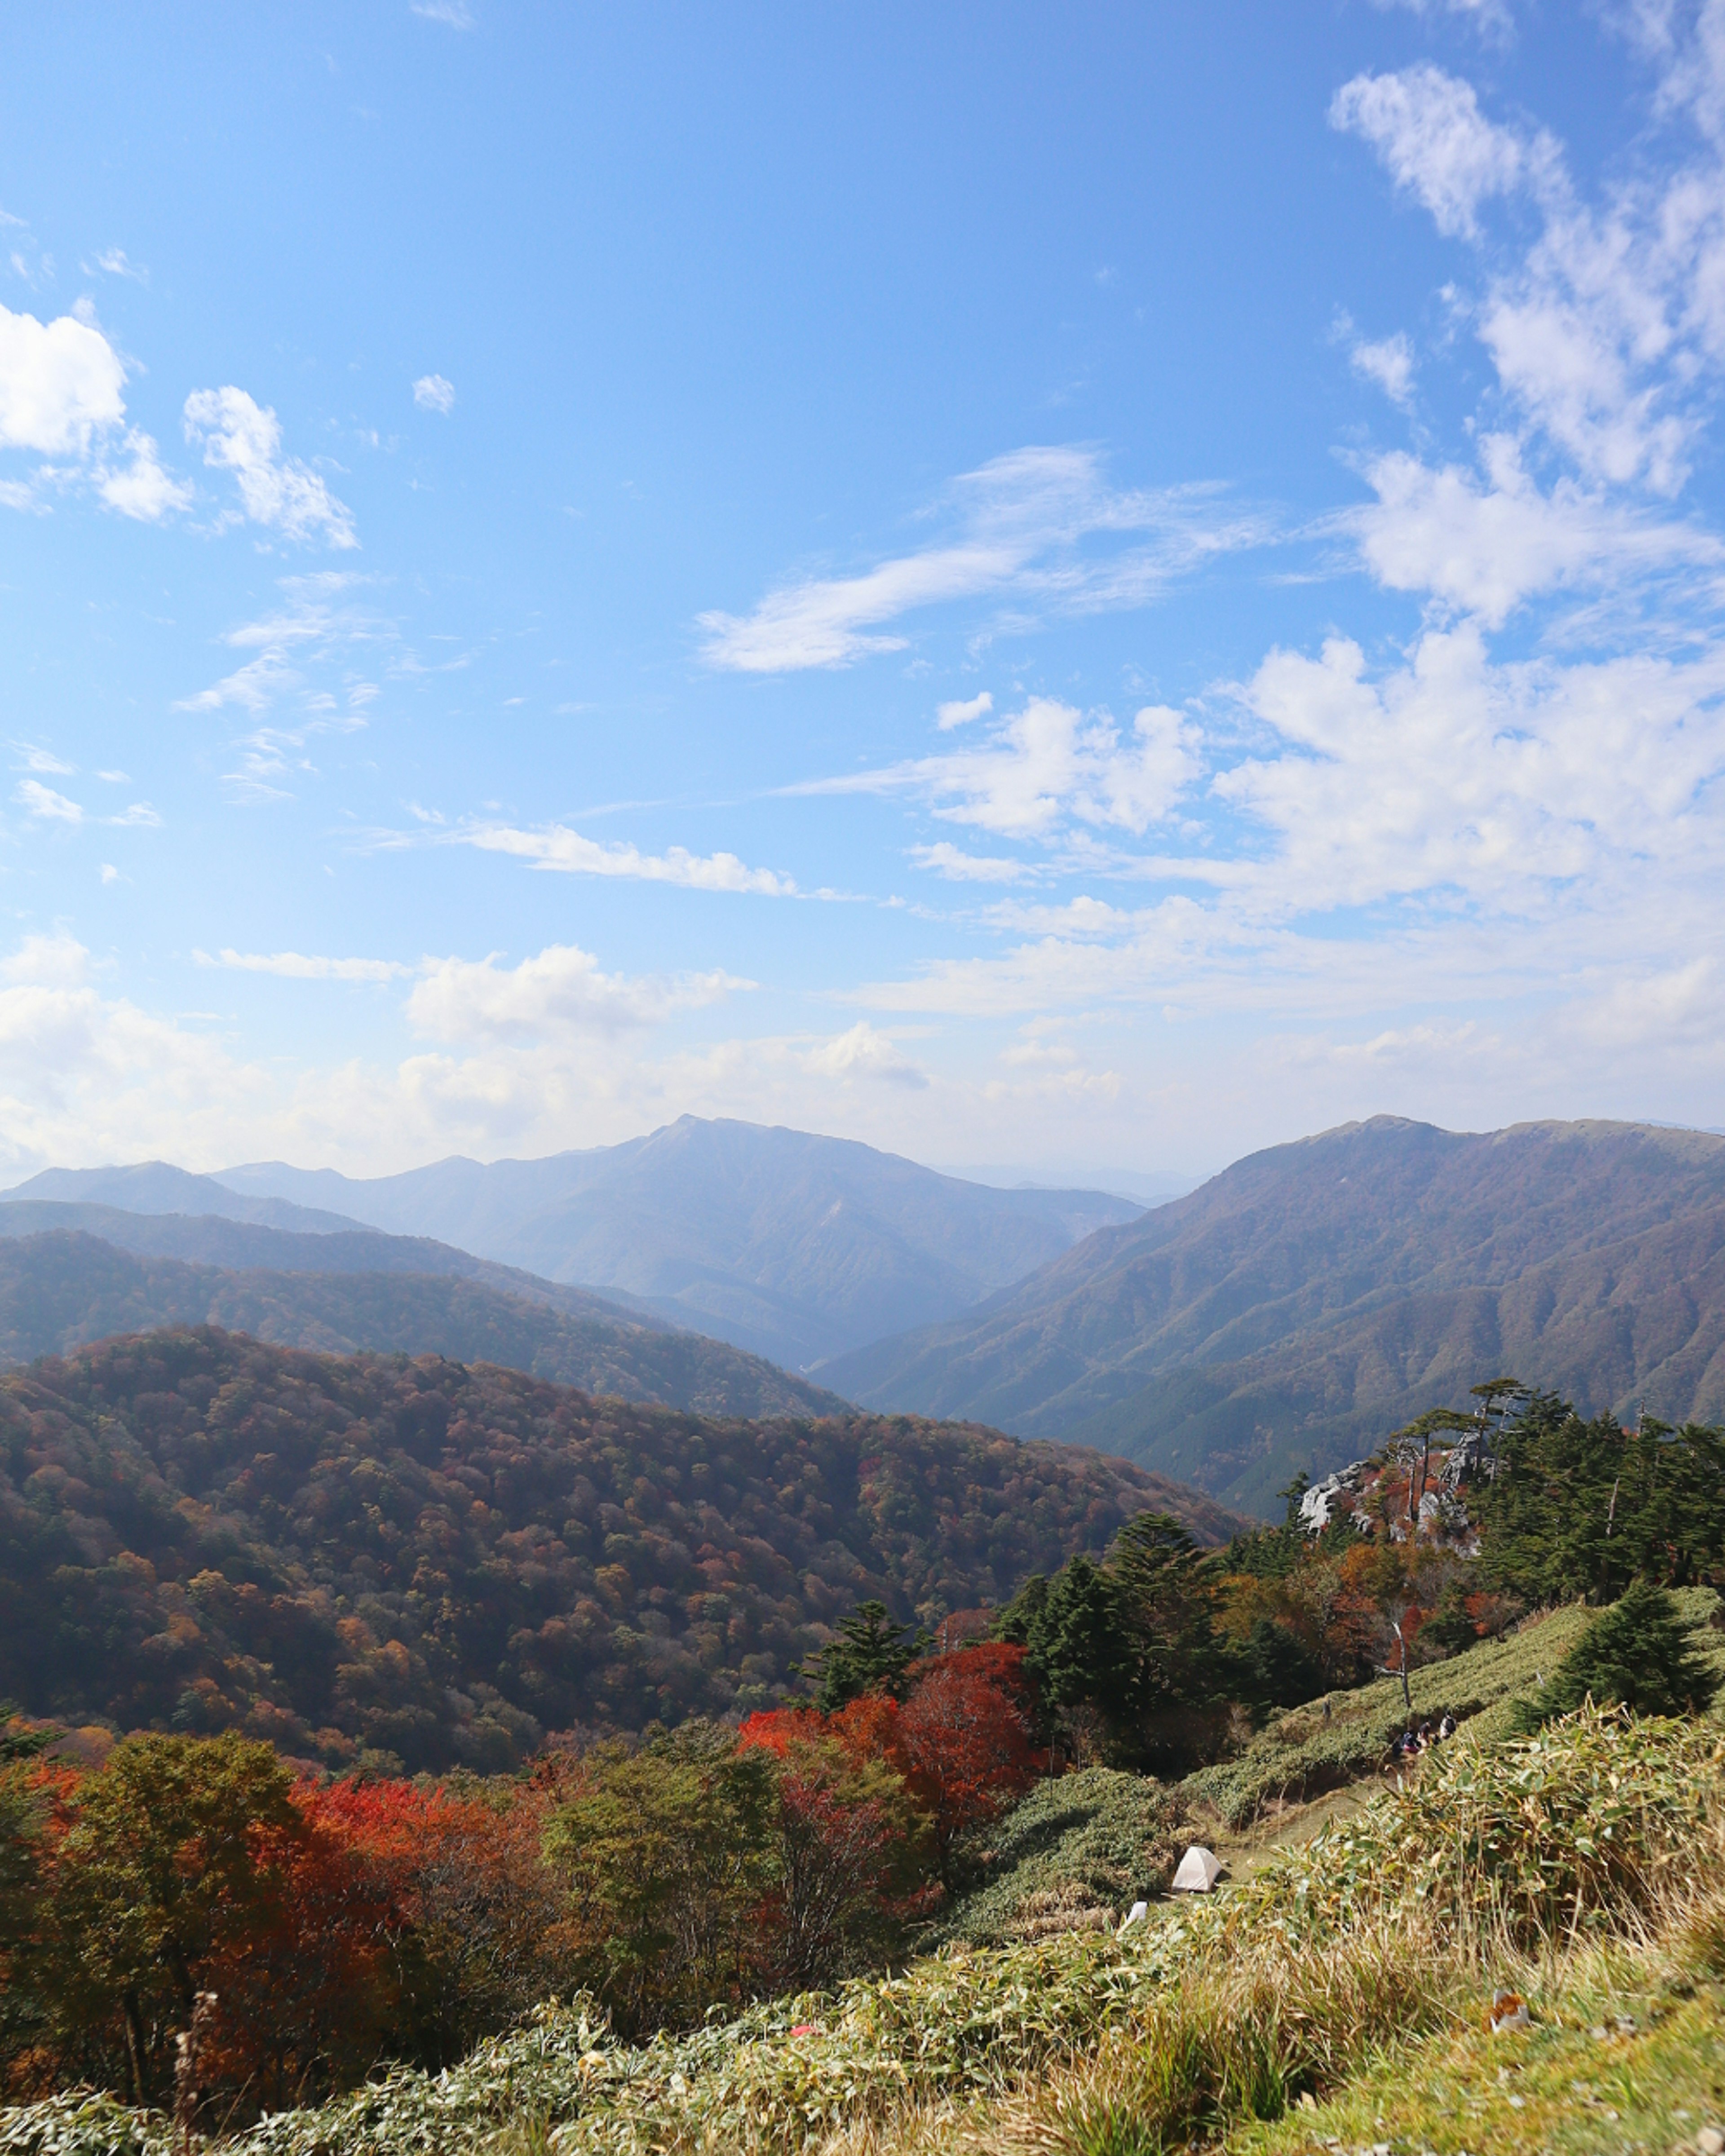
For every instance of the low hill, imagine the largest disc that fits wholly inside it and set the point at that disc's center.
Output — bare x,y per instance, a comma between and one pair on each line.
1313,1296
795,1246
372,1558
61,1290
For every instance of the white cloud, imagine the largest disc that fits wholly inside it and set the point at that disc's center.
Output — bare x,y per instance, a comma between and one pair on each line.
560,994
58,961
307,655
1485,542
238,435
42,801
295,966
108,873
454,14
114,261
1389,364
139,815
1493,16
1047,766
432,393
960,714
39,759
946,860
1601,330
1428,128
555,846
862,1052
60,385
1020,521
143,489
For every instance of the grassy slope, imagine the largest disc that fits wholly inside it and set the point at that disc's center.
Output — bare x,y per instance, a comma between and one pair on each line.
1582,1870
1074,1855
1301,1755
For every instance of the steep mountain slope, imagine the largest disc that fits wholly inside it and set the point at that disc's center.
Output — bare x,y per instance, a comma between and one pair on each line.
1315,1295
795,1246
62,1290
367,1558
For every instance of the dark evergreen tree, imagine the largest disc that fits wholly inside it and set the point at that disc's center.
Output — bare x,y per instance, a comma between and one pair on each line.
1277,1669
870,1653
1636,1655
1583,1508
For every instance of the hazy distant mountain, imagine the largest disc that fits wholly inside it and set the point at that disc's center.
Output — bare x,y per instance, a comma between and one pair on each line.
155,1186
211,1240
63,1288
1310,1298
795,1246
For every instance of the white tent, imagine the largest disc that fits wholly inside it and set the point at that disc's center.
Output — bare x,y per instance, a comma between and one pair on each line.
1199,1871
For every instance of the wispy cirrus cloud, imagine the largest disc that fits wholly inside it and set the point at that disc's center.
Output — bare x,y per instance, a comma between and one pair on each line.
300,966
557,848
1041,527
316,655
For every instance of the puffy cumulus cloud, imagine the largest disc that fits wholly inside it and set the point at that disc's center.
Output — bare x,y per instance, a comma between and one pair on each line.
558,993
142,487
1046,767
61,395
1449,773
1602,330
1017,525
1486,540
61,385
87,1077
863,1053
435,392
571,853
238,435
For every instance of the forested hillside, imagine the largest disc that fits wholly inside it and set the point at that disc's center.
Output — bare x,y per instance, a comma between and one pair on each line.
374,1558
61,1290
1314,1295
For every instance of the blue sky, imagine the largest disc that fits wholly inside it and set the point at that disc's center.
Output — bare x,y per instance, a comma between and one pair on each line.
1046,586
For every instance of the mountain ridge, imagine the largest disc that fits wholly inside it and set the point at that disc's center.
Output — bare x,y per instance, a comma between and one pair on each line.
792,1246
1213,1332
65,1289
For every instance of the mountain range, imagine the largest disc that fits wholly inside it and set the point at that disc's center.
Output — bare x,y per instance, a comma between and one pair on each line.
794,1247
62,1287
1301,1304
1283,1317
797,1246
